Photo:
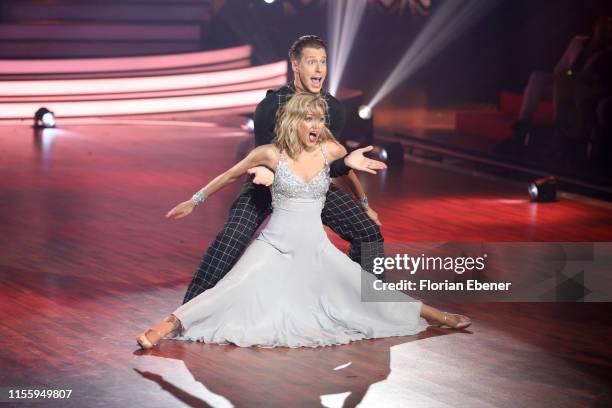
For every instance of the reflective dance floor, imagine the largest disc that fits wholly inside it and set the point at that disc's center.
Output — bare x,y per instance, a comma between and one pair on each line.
88,261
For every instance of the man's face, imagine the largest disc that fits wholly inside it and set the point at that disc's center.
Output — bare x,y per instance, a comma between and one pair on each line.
310,71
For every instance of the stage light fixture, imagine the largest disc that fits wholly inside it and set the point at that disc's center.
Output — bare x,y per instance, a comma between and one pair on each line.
365,112
382,153
269,1
543,190
359,124
249,125
391,153
44,118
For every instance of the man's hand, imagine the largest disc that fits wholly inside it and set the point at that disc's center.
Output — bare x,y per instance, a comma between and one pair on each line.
373,215
356,160
262,174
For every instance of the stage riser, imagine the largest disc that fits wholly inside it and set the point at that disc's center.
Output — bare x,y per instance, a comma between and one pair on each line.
65,29
111,12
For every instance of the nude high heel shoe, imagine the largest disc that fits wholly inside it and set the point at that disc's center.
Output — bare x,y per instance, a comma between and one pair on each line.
152,337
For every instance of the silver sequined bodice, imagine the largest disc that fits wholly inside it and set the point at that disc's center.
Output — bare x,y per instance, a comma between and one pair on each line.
287,186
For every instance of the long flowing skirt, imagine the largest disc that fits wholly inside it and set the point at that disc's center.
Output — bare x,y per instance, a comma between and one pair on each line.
292,287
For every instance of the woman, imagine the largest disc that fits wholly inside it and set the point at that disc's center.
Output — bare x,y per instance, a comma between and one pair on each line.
292,287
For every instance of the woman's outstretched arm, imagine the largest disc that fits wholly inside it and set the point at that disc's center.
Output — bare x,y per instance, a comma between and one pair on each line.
263,155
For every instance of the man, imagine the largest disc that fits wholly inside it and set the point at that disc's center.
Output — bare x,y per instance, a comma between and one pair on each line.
356,223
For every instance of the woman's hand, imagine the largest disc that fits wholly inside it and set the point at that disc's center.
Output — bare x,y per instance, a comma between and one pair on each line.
373,215
181,210
356,160
262,174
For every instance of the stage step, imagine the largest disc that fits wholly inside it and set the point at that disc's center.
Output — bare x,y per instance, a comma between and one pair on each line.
76,49
62,31
104,28
166,11
510,102
498,125
141,95
203,61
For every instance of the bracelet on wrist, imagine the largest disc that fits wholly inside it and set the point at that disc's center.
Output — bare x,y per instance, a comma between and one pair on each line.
364,202
198,197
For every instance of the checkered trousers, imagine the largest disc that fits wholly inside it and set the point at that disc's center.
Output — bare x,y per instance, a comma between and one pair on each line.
341,213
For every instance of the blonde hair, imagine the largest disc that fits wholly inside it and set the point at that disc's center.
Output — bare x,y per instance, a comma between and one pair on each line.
288,119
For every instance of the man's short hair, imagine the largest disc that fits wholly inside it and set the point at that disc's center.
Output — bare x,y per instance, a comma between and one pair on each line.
305,41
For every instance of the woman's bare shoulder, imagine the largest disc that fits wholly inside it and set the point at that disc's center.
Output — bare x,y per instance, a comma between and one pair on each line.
334,149
270,152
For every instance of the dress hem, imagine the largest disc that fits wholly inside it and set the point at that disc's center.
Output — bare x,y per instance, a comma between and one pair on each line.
316,344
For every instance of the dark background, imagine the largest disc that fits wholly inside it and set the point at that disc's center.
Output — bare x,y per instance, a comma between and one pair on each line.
498,52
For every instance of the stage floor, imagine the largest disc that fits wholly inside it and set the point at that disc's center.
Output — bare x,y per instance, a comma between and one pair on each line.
88,261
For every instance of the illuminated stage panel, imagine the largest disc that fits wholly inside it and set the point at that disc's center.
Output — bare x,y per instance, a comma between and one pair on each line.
88,48
82,65
243,63
135,106
53,31
269,83
179,12
141,84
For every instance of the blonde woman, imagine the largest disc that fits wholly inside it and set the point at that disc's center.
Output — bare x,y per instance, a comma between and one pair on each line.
292,287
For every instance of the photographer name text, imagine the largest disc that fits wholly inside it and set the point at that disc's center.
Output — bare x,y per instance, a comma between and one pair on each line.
429,285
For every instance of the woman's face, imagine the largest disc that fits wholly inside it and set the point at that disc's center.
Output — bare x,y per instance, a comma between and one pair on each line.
310,128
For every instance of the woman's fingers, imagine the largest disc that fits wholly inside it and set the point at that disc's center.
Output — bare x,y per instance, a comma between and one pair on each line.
179,211
358,161
366,149
373,215
375,164
263,175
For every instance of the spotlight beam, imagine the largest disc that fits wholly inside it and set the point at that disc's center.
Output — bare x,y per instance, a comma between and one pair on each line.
345,20
451,20
334,18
